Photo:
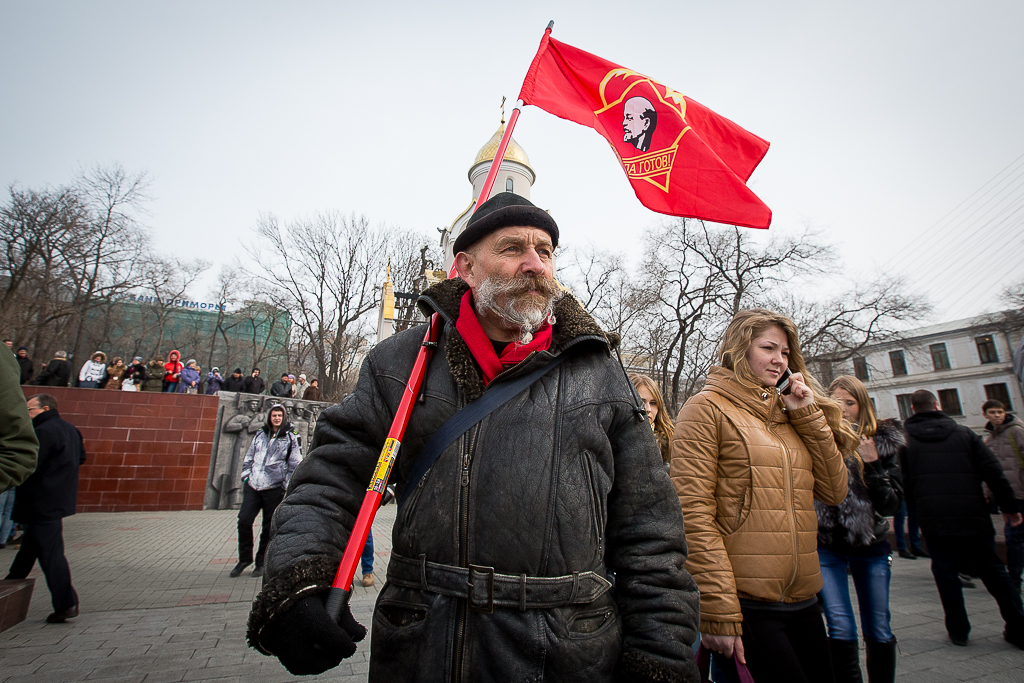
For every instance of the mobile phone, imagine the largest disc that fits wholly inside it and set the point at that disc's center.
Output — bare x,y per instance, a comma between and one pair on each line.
783,384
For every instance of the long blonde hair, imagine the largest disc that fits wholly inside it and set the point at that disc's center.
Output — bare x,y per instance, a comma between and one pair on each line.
867,421
662,422
732,355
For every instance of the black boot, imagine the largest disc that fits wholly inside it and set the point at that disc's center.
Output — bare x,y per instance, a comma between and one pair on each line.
881,661
845,660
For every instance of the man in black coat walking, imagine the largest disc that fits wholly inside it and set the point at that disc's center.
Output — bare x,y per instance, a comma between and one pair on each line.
944,466
44,500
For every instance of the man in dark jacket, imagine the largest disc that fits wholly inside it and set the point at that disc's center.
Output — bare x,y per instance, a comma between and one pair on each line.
27,366
944,466
503,551
43,501
281,388
56,373
254,383
235,382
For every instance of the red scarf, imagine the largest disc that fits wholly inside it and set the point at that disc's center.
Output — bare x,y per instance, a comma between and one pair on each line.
482,349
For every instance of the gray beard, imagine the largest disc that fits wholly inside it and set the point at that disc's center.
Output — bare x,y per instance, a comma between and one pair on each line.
525,318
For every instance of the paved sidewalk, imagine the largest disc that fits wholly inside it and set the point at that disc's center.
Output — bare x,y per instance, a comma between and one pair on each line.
158,606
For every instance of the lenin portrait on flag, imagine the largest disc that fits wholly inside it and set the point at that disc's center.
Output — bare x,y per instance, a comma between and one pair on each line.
639,119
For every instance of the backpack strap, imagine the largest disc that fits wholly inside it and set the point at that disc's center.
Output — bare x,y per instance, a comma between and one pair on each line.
462,421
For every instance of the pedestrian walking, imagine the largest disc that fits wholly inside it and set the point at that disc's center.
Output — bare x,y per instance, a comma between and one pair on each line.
502,551
134,376
312,391
748,460
944,466
658,417
254,383
93,371
235,381
1006,440
115,374
43,501
188,382
908,533
214,382
57,372
273,455
26,365
172,372
853,541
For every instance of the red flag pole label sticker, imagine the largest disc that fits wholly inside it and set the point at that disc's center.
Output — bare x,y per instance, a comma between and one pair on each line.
387,459
652,118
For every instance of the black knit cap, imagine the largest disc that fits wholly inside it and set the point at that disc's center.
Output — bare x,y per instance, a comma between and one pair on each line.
501,211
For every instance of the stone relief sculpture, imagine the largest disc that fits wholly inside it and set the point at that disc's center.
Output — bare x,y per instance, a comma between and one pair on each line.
239,417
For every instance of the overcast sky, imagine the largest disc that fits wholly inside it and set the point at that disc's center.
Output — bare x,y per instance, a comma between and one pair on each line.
883,117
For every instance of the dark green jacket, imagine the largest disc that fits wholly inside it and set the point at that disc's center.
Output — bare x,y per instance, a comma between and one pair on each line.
18,443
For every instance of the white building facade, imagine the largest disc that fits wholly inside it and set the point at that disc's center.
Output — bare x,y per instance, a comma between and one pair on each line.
963,362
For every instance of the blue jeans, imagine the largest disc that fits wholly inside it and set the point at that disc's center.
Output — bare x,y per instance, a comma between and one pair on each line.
6,508
172,388
367,557
1015,549
915,534
871,576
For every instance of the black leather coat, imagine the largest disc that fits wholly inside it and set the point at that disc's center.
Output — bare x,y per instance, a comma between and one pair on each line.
944,466
566,477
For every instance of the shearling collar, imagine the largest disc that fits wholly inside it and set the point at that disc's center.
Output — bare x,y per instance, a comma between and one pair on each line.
757,400
445,297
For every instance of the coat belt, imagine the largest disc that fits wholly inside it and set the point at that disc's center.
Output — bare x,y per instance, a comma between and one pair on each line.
484,588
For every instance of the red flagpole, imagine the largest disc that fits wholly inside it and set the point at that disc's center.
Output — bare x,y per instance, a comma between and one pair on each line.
341,589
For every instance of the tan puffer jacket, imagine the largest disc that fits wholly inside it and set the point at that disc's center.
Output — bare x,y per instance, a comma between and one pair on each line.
747,474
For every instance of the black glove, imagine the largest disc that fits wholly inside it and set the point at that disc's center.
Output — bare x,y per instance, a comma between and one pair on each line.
306,640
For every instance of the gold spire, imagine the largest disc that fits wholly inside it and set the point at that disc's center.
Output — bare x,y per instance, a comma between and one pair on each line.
513,153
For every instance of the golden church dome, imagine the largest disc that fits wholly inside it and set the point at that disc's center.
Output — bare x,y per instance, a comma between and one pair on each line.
513,153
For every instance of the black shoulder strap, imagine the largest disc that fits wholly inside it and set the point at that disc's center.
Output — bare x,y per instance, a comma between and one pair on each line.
461,422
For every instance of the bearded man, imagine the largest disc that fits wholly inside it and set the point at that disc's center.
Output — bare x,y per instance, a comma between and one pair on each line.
544,543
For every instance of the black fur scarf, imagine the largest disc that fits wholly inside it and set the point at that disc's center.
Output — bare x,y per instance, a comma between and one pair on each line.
854,521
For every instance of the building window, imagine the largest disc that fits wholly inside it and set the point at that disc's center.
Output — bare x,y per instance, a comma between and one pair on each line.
904,405
940,358
998,392
987,349
860,368
949,400
509,185
898,362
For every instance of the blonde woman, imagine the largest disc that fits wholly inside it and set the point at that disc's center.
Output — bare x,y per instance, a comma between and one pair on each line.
748,460
656,413
852,539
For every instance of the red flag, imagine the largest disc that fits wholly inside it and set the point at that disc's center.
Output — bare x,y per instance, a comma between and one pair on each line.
681,158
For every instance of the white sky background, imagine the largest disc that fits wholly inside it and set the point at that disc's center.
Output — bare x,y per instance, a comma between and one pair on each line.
882,116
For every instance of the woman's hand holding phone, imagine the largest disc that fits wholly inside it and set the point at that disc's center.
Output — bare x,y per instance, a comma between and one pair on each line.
799,394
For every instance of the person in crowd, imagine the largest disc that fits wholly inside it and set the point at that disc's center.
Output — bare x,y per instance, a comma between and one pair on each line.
155,373
18,442
25,363
43,501
134,375
650,394
282,388
235,381
57,372
273,455
115,374
908,533
188,383
312,392
542,500
300,386
93,371
852,539
748,460
254,383
9,343
944,465
214,381
172,372
1006,440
